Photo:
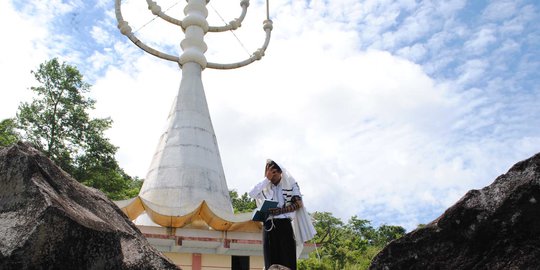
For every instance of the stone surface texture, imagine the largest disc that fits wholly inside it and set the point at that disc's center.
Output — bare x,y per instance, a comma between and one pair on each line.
50,221
497,227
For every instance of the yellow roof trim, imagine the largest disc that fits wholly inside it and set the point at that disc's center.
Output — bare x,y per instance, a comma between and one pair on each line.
135,207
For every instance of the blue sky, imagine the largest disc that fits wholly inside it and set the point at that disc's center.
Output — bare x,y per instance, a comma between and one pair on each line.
388,110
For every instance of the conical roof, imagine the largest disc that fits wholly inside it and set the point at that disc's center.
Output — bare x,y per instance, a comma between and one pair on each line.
186,168
185,181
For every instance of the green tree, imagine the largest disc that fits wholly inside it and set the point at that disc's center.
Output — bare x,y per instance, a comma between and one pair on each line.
241,204
347,246
56,120
58,123
134,188
331,236
8,133
387,233
362,231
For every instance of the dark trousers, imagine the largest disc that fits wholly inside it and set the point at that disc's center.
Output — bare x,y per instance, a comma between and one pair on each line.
279,246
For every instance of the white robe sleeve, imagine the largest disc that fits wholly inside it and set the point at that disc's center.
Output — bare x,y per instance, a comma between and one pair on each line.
257,191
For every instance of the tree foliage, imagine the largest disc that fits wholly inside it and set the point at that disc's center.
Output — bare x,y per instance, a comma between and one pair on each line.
8,133
350,245
57,121
242,204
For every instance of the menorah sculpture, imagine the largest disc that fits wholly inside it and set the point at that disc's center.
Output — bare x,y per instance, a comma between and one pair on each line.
185,182
195,26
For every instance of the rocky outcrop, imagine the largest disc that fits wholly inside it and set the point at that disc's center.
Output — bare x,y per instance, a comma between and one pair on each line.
50,221
497,227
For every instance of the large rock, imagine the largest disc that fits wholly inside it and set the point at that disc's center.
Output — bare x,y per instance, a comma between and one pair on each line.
50,221
497,227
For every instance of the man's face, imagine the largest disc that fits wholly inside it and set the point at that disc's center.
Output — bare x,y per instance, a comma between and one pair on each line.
274,176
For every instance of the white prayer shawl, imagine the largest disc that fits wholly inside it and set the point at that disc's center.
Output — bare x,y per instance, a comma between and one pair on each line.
301,221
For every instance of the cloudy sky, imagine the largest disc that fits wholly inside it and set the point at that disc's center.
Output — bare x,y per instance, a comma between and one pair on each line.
388,110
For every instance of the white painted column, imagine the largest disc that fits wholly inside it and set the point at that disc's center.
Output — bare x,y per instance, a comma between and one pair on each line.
186,168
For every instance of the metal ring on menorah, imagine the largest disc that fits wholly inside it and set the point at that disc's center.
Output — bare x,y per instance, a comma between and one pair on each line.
194,17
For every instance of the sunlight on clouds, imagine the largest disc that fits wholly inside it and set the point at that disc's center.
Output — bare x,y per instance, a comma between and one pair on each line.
517,24
472,71
481,40
99,60
138,100
507,47
412,24
413,118
23,52
414,53
318,120
101,35
393,109
125,51
499,10
412,28
45,11
102,3
449,8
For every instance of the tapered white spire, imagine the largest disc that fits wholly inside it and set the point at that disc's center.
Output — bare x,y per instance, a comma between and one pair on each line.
185,183
186,168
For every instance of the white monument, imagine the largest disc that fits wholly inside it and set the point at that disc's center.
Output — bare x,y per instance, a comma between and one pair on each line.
186,171
185,194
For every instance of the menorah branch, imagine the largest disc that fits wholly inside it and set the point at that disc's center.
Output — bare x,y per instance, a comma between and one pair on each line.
156,10
257,55
126,30
234,24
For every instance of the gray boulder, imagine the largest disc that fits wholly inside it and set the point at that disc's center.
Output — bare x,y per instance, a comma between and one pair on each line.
497,227
50,221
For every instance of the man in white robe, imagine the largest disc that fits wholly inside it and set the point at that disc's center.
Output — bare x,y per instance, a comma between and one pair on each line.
288,226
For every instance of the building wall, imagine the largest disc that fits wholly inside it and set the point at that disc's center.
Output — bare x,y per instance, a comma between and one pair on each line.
215,262
181,259
197,261
256,262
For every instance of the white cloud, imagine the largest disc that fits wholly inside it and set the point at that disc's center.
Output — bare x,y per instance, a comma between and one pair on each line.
498,10
23,50
472,70
45,11
395,133
137,97
517,24
481,40
101,35
414,53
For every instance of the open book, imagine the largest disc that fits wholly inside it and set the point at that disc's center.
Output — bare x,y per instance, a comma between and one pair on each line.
261,214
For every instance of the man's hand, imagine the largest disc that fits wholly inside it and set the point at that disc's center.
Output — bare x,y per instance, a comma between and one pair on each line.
275,211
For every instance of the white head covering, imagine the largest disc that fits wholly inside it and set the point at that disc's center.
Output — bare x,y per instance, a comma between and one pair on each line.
287,182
